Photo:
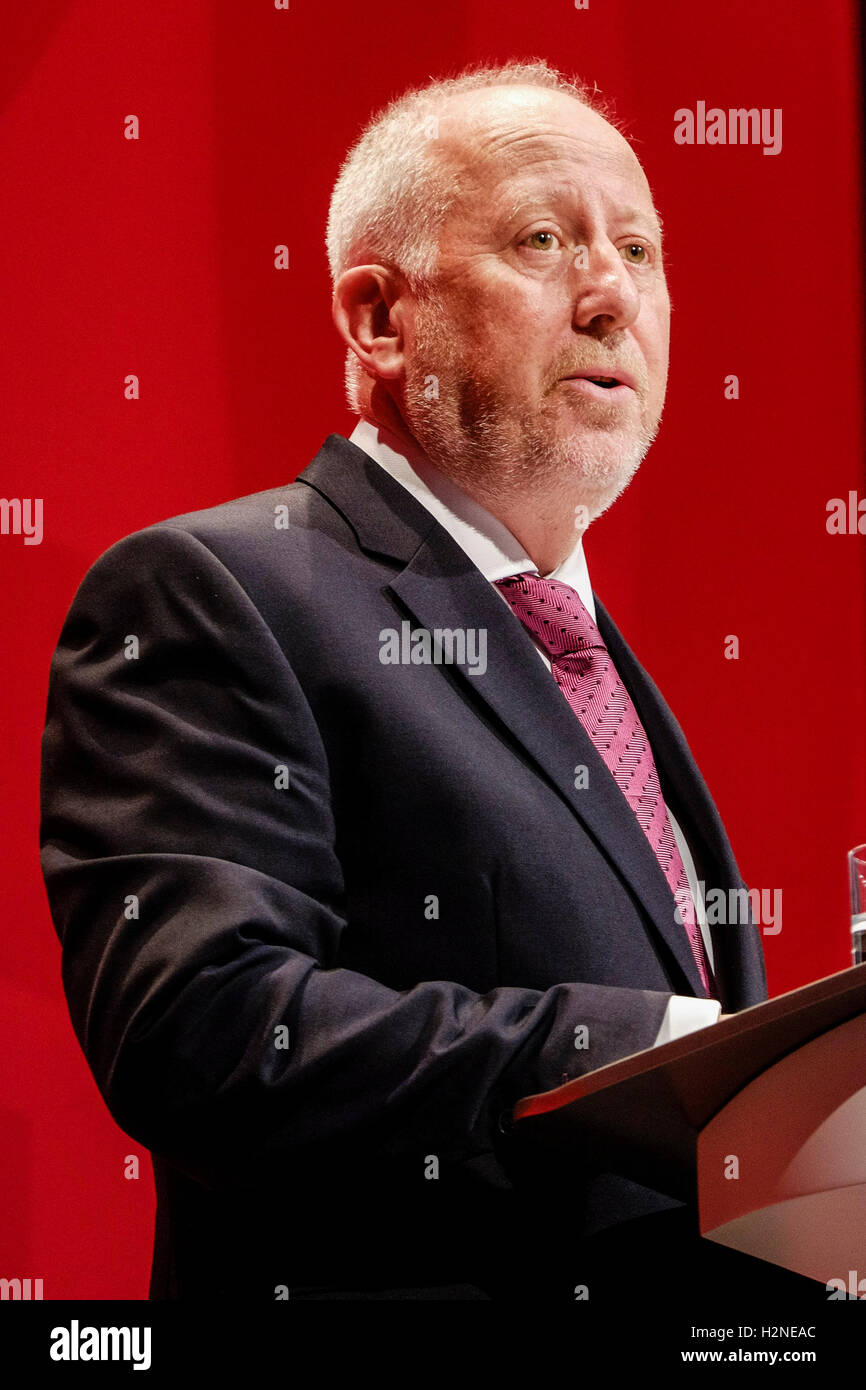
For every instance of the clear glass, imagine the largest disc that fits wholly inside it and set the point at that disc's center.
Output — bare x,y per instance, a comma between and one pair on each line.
857,879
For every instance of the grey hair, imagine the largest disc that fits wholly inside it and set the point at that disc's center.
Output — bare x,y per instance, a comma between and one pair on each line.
392,194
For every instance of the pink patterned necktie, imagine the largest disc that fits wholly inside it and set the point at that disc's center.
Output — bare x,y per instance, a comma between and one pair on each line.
585,674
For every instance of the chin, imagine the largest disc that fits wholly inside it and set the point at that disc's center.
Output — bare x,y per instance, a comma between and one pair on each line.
600,455
595,470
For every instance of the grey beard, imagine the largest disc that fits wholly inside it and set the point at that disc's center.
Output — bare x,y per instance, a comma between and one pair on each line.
472,435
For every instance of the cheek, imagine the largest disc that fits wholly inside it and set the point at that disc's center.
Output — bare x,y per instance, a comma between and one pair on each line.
662,333
527,336
501,325
502,354
508,311
513,335
654,344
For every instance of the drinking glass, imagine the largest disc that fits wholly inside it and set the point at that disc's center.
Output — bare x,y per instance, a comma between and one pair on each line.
857,879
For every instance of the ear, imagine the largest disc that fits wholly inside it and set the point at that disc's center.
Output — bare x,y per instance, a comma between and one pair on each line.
367,310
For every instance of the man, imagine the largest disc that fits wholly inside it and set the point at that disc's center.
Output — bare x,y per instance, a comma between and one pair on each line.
358,809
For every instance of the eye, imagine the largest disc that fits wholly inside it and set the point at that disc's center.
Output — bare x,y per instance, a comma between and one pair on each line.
642,254
541,241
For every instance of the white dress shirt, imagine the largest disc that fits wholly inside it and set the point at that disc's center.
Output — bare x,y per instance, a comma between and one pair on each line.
498,554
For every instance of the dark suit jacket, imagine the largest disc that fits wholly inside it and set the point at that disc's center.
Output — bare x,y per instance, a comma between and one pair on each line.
430,906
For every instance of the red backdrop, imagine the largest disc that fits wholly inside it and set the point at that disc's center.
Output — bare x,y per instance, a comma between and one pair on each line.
155,257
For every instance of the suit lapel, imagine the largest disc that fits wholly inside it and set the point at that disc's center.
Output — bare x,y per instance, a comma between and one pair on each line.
739,959
440,587
683,786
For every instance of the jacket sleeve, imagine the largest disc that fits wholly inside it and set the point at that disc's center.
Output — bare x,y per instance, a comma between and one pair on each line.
188,850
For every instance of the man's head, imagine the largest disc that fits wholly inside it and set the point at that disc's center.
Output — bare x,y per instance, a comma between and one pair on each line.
490,239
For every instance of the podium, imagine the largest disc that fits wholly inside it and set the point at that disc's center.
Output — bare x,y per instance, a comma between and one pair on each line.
759,1121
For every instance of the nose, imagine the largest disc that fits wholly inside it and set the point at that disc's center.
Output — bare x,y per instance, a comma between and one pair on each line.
605,296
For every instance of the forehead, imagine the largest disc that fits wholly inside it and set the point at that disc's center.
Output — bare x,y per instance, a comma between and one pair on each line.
508,145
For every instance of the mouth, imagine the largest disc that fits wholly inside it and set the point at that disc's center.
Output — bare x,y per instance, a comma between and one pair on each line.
601,386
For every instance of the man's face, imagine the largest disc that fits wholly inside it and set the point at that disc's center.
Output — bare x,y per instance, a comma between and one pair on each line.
550,265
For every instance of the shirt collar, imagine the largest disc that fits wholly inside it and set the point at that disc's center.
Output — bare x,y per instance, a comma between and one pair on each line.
489,544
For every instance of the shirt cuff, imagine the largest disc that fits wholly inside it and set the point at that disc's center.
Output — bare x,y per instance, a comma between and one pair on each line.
685,1015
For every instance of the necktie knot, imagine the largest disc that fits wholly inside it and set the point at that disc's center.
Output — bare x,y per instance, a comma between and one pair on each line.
553,612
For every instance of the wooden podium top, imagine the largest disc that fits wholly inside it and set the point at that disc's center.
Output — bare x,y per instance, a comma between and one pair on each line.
641,1116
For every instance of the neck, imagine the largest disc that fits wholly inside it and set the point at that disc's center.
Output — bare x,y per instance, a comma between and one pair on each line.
546,542
543,524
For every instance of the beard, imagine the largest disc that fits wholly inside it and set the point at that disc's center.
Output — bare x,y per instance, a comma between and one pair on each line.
494,447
